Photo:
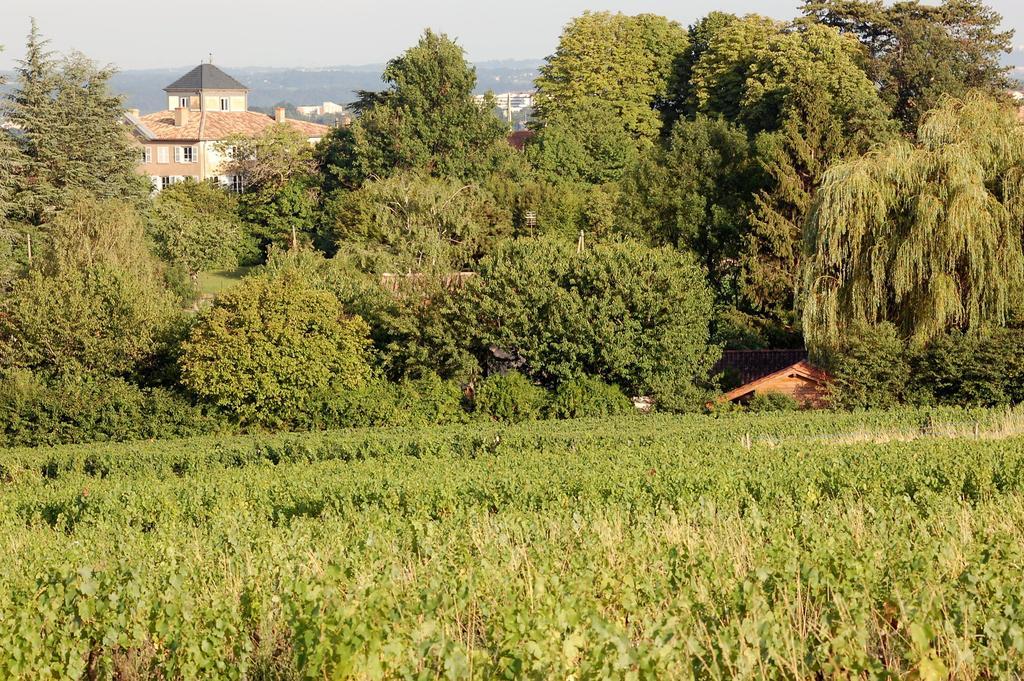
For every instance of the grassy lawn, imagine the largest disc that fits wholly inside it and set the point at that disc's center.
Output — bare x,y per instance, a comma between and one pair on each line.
215,282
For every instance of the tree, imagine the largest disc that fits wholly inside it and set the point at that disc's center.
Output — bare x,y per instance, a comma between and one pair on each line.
195,225
681,100
11,167
279,176
586,143
412,222
271,346
925,235
623,61
93,305
71,132
803,97
632,315
870,367
426,119
695,192
920,52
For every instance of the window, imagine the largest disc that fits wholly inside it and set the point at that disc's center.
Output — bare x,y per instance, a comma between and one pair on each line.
236,185
146,155
166,182
161,154
184,155
225,104
182,102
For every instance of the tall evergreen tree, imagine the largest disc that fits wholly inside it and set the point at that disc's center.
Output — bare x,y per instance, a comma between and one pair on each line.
11,167
426,119
71,131
924,235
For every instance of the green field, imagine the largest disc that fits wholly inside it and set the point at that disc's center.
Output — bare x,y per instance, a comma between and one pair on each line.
885,545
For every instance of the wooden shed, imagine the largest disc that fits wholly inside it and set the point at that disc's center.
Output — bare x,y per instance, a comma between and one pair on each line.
774,371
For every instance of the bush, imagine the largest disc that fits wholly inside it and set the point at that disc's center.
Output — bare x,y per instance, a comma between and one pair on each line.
270,346
510,398
588,396
870,368
635,315
765,402
34,412
977,370
420,402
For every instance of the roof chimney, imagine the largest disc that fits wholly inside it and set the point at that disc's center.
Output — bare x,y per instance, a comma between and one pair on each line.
133,112
279,114
180,116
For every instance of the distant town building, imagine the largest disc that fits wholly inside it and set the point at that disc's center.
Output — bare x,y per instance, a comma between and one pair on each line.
324,109
1018,97
510,102
204,107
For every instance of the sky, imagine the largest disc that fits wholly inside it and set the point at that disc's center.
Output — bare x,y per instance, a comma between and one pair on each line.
134,34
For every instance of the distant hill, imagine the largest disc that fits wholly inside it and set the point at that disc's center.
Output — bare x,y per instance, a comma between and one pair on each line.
143,89
269,86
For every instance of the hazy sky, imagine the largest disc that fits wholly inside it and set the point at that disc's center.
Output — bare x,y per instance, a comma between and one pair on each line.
139,34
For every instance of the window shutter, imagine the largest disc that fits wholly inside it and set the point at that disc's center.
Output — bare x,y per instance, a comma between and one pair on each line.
161,155
178,153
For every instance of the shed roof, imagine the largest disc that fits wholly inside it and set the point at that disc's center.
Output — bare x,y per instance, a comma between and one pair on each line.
750,365
205,77
801,369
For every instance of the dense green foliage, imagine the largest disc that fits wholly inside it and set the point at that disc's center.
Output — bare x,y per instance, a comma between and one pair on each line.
683,190
196,226
510,398
635,316
271,344
925,235
736,547
920,52
94,304
588,397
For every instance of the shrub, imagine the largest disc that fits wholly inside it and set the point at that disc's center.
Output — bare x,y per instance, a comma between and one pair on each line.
269,346
35,412
431,400
510,398
870,367
635,315
588,396
420,402
94,302
770,401
978,370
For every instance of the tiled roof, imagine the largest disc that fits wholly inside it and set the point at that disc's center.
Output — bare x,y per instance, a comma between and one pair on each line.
744,366
217,125
205,77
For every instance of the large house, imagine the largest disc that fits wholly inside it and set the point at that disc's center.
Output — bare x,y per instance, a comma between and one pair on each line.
204,107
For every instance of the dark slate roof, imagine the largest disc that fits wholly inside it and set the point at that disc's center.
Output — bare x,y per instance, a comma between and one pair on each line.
205,77
743,366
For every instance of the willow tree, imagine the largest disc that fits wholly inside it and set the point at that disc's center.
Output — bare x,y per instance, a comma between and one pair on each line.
923,234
